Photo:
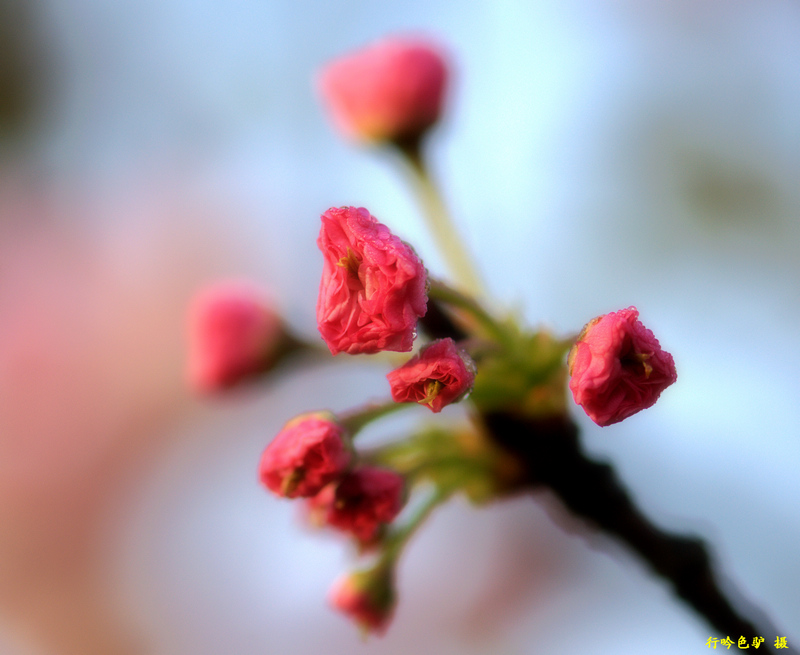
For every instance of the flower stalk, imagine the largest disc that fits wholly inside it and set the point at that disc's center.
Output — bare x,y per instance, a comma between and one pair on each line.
399,536
441,292
441,225
355,420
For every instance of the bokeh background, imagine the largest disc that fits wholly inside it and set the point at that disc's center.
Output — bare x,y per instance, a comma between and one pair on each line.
596,155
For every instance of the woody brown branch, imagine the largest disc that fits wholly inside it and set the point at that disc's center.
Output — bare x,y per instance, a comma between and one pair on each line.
550,452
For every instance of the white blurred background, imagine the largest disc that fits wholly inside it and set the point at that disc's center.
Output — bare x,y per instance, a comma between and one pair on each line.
596,155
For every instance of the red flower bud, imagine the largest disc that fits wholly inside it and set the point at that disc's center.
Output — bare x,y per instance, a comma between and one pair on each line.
233,332
373,288
363,502
618,368
308,453
439,375
389,91
368,597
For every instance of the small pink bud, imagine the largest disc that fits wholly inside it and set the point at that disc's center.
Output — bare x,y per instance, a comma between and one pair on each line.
373,288
618,368
363,501
307,454
367,597
233,333
439,375
389,91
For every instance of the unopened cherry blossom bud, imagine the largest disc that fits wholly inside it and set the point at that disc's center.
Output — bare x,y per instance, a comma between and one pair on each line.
368,597
233,335
307,454
373,288
439,375
389,91
618,368
362,503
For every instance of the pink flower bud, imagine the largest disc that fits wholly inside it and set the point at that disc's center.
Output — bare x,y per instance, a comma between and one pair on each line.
439,375
373,288
389,91
308,453
367,597
363,502
233,332
618,367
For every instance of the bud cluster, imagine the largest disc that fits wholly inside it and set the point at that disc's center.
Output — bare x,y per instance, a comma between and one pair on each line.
312,458
373,293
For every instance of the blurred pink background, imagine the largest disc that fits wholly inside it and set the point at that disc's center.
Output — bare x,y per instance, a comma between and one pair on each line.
596,155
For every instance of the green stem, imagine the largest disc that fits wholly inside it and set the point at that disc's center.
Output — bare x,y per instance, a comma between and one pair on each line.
449,296
417,468
355,420
398,539
439,221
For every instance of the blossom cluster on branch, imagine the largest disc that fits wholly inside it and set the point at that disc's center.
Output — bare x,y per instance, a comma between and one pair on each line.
376,295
